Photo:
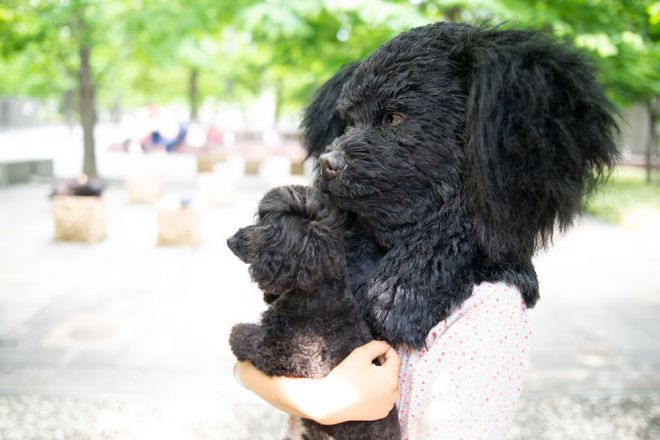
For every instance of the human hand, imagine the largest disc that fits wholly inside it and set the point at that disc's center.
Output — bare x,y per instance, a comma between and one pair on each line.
356,389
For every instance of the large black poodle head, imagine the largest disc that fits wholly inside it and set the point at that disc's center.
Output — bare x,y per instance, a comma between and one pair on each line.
509,125
296,243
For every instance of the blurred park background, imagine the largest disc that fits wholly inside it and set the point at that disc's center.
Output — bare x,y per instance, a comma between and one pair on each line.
115,308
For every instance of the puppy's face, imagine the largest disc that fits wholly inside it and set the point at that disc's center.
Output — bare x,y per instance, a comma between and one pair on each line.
258,245
294,243
402,147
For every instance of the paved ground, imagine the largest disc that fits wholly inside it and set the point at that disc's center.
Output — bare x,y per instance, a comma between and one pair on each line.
126,340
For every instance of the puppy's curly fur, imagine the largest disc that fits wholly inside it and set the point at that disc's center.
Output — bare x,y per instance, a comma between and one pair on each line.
296,256
456,152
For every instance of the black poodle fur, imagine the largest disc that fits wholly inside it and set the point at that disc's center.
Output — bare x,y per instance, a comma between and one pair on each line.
456,152
297,257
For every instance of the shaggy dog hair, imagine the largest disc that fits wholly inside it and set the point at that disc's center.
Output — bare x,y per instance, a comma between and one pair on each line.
296,256
455,151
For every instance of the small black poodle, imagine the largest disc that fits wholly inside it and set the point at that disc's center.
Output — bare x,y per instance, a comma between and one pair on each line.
456,152
296,253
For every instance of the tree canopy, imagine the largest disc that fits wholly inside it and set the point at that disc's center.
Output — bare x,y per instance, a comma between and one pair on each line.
126,53
149,50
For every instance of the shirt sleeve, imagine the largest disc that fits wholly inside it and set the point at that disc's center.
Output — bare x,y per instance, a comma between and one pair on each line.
466,384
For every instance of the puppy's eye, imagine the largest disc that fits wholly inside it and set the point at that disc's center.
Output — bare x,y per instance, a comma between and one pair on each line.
392,119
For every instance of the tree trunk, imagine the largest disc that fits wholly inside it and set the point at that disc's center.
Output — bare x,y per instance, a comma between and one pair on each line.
87,110
652,141
278,100
116,110
68,109
193,93
453,13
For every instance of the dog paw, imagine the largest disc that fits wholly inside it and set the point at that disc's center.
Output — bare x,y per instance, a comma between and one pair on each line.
244,341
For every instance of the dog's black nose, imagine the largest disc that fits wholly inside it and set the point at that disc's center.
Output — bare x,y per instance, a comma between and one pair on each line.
332,164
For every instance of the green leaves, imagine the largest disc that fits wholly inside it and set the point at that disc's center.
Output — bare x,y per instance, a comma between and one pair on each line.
621,36
144,50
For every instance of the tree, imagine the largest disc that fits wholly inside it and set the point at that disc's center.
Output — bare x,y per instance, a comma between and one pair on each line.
65,38
295,45
89,44
114,52
181,36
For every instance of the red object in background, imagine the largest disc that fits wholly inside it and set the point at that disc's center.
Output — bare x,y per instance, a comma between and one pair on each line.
213,136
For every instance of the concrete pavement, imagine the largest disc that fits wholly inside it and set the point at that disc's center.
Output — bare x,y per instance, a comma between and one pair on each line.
123,339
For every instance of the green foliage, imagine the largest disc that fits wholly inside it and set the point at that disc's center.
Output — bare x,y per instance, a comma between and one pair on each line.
41,42
297,44
144,50
622,35
17,27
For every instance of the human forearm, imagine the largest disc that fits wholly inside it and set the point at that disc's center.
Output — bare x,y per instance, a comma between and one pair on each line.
295,396
354,390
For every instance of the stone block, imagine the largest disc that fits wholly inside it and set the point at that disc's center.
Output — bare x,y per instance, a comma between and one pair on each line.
79,218
179,225
144,189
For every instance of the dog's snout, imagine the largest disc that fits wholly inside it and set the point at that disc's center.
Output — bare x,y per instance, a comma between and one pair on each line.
232,244
239,244
332,164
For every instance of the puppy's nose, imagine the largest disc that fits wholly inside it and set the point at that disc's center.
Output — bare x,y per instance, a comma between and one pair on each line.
332,164
232,243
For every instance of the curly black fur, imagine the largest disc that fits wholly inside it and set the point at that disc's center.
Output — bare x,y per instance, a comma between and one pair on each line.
460,150
297,257
321,122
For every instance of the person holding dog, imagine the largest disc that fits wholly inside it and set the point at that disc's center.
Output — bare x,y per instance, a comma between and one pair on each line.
474,368
456,151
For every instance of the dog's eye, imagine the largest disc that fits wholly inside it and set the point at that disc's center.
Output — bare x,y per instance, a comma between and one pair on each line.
392,119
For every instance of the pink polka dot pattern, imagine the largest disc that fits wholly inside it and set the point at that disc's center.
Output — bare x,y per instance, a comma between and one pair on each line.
467,381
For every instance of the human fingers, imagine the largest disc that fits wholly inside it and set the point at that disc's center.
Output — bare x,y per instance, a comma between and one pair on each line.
373,349
392,361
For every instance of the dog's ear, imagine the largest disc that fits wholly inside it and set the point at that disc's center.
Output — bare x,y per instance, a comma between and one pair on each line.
539,135
321,123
